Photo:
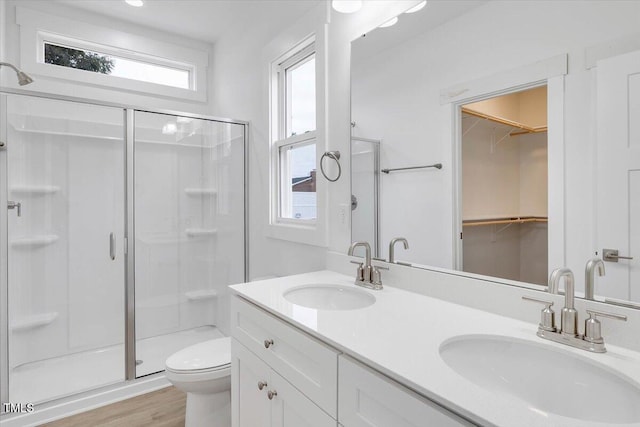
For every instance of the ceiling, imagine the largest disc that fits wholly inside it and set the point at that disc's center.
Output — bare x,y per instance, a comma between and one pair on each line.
208,20
436,13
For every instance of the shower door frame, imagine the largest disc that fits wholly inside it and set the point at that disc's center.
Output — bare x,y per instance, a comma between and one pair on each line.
129,168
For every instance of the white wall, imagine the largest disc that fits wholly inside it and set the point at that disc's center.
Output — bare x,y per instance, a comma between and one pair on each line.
491,38
241,78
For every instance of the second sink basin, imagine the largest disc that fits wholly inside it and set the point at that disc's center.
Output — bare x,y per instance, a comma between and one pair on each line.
549,380
329,297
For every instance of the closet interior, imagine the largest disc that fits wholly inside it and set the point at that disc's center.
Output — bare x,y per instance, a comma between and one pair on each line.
504,186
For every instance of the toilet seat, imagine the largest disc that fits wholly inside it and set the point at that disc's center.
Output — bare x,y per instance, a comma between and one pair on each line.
211,357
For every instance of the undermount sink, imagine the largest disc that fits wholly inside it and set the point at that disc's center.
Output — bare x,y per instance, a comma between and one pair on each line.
548,379
329,297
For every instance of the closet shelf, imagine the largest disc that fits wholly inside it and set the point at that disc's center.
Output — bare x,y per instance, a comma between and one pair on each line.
200,295
201,191
34,321
35,189
524,129
510,220
198,232
42,240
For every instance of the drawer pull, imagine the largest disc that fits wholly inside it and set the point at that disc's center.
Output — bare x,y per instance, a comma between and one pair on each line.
261,385
268,343
271,394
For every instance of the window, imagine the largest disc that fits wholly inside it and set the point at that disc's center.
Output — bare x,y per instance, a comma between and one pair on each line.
296,137
98,58
97,62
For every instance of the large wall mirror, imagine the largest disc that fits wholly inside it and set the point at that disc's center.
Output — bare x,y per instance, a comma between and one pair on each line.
489,173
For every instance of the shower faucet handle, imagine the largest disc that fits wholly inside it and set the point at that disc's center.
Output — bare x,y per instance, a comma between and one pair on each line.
15,205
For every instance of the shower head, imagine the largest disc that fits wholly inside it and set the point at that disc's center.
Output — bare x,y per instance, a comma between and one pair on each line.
23,78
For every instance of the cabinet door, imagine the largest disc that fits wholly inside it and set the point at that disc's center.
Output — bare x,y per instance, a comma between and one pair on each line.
308,364
250,406
292,409
368,399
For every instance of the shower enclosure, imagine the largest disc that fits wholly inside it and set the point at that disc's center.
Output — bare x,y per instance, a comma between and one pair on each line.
123,229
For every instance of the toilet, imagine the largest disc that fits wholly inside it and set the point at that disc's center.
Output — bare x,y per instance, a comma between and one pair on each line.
203,371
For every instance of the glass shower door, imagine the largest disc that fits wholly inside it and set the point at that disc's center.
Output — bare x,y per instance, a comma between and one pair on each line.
189,231
65,189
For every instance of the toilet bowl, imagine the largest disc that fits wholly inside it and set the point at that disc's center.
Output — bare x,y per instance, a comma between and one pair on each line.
203,371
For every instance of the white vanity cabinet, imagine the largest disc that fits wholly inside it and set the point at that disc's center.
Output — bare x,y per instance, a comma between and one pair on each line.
369,399
271,358
277,404
302,371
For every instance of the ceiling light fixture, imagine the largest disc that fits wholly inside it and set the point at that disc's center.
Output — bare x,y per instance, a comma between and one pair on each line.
135,3
389,23
417,7
346,6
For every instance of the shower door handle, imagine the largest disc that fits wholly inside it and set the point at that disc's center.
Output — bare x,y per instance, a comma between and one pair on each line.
112,246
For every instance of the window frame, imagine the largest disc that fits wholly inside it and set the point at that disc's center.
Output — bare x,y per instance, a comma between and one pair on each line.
307,138
45,38
295,58
37,27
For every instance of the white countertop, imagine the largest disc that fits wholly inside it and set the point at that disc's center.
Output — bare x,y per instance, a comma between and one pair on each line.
400,336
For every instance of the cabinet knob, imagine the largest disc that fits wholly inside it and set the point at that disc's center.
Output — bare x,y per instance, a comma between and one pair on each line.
268,343
271,394
261,385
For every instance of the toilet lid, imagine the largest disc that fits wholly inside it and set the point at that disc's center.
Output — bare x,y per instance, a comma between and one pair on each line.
205,355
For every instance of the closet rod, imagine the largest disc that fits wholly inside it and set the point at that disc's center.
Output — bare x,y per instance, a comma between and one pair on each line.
436,165
523,128
472,223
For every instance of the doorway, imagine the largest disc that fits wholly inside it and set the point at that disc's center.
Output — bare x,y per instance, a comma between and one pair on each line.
504,186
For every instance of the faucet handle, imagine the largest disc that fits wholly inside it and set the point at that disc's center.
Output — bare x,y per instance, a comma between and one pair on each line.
592,326
360,273
547,315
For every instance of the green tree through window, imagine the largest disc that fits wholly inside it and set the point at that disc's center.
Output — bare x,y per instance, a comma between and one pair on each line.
80,59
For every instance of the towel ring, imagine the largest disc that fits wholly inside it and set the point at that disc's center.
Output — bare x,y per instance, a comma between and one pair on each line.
335,155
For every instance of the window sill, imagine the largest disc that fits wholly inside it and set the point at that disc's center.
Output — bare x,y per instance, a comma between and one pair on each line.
300,233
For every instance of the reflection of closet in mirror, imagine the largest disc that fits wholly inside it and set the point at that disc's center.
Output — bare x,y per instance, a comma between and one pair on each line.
365,167
504,186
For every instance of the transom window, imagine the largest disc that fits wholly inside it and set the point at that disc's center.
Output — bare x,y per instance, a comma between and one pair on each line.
117,66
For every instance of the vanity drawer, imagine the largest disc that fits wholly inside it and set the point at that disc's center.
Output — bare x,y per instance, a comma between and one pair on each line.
369,399
305,362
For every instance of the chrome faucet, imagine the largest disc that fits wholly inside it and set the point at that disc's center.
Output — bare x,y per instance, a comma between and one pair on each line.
568,333
392,244
569,315
367,275
590,276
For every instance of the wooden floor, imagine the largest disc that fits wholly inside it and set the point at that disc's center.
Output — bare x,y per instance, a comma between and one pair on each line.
162,408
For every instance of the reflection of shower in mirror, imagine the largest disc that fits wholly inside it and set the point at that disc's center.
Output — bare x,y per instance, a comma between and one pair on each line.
365,171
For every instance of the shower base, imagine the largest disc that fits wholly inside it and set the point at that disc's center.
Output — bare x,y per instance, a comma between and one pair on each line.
63,376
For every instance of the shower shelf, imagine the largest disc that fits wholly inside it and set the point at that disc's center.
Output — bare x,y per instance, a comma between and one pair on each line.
200,232
201,295
43,240
200,191
34,321
35,189
67,134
